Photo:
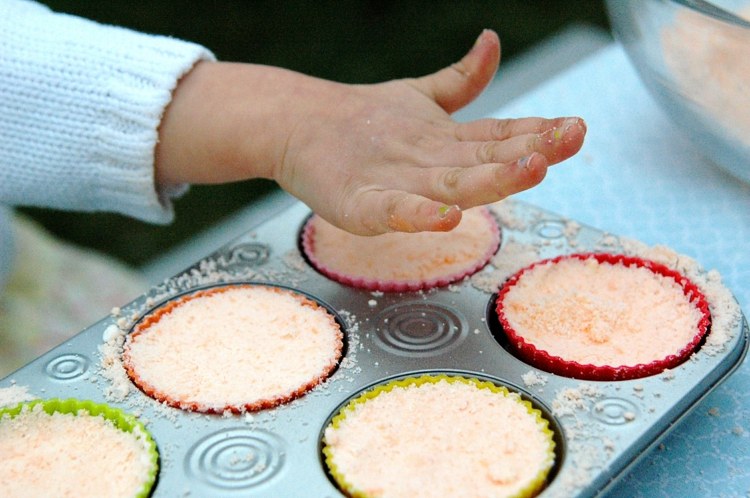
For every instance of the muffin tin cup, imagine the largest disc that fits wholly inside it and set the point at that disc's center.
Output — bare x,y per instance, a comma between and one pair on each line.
274,399
541,416
401,285
601,428
121,420
570,368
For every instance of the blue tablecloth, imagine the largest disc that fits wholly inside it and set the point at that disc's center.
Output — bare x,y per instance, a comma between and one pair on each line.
637,176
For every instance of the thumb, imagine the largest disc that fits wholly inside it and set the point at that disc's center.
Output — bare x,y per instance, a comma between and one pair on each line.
455,86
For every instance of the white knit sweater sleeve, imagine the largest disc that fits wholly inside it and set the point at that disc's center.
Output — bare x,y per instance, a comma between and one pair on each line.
80,105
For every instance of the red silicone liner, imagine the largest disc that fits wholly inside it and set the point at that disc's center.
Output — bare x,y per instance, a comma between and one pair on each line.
308,246
568,368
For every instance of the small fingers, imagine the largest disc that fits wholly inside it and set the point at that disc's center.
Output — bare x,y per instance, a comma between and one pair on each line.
437,204
501,129
485,183
382,211
556,142
458,84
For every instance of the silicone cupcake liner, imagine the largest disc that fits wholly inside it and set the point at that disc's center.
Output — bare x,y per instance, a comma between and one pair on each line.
142,327
568,368
532,488
405,285
121,420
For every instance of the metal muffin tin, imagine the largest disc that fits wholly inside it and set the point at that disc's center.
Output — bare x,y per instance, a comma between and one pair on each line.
601,427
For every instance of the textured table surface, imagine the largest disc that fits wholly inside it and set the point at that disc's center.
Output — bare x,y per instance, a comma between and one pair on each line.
637,176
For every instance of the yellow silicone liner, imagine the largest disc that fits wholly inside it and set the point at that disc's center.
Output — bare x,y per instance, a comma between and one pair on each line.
123,421
531,489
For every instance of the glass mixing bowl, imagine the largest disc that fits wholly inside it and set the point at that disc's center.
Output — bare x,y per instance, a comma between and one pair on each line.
694,58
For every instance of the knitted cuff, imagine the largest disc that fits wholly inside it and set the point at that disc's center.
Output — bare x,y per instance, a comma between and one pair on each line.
80,106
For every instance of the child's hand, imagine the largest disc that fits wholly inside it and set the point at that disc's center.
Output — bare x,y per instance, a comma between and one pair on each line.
368,158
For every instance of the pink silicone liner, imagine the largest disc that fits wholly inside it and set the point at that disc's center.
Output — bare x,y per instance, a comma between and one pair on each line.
308,246
567,368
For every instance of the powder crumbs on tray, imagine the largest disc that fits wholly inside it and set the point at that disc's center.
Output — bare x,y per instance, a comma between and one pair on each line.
588,445
505,211
571,400
12,395
725,311
511,257
532,379
110,364
294,261
208,271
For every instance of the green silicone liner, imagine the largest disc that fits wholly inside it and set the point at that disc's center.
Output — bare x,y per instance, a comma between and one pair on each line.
123,421
531,489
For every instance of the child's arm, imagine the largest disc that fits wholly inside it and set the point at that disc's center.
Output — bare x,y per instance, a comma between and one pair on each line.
368,158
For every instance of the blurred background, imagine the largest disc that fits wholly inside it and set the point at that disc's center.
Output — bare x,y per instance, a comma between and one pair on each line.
354,41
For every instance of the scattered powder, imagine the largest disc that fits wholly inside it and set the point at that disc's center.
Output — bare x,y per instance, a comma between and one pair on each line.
110,364
608,241
511,257
571,230
725,311
207,272
349,362
111,333
667,375
12,395
533,379
588,447
294,260
570,400
508,212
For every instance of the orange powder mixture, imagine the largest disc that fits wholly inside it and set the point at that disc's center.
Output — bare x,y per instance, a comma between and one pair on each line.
408,256
440,439
600,313
65,455
238,347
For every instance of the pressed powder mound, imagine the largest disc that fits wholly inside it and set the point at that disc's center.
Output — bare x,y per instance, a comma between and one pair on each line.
397,262
439,435
71,448
602,316
237,347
